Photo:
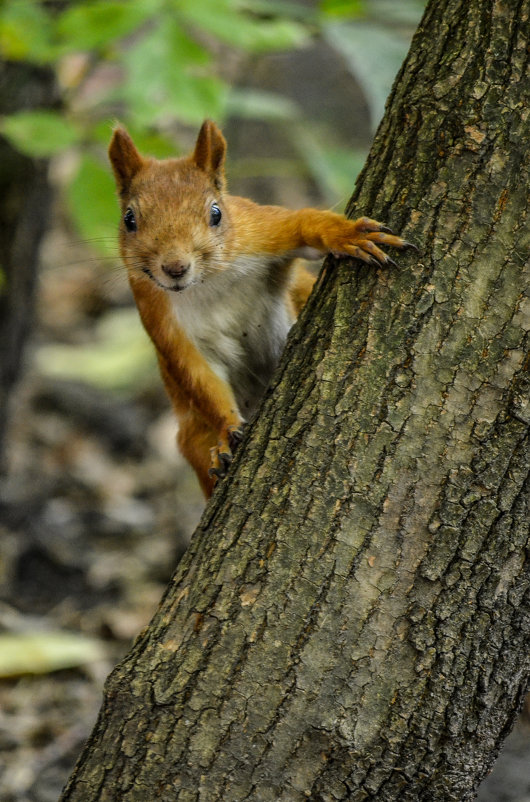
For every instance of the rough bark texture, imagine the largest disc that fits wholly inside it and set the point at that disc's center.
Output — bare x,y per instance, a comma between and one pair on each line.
351,621
25,199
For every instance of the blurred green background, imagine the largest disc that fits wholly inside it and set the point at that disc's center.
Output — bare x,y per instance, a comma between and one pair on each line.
299,88
162,66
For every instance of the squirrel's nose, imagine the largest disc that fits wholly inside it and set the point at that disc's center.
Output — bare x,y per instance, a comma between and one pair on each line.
175,269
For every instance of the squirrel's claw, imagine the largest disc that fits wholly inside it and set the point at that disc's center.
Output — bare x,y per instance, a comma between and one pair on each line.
235,436
222,454
220,463
361,238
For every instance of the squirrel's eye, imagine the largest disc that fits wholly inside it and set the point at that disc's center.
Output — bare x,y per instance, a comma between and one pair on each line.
130,220
215,215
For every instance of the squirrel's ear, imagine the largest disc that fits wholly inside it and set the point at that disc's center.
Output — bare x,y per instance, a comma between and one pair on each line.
124,158
210,151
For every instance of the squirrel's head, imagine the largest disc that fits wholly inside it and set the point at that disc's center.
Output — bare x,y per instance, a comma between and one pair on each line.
174,227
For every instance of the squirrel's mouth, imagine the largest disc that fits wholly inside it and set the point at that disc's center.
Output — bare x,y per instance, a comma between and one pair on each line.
170,288
180,287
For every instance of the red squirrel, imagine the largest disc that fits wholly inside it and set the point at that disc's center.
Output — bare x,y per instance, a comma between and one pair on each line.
218,285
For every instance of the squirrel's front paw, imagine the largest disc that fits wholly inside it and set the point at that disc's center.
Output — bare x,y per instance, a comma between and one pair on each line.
358,238
222,454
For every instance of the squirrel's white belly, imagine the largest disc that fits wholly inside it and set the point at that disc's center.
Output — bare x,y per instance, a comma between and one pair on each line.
240,329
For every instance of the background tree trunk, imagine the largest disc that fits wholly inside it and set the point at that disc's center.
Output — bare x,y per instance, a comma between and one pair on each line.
25,200
351,620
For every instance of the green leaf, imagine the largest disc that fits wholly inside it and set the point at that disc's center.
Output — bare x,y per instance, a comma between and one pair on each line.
44,652
343,8
39,133
198,97
152,143
25,32
185,49
373,55
91,198
95,23
222,19
168,77
148,142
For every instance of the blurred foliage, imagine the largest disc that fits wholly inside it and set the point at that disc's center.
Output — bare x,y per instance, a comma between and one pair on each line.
167,53
161,65
40,133
92,187
120,357
166,66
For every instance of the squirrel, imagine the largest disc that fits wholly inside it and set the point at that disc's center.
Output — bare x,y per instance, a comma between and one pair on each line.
218,284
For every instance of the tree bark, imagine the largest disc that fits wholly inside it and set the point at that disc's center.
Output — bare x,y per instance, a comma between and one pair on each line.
351,620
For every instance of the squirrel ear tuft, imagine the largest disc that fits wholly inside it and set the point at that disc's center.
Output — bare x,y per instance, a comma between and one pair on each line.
210,151
124,158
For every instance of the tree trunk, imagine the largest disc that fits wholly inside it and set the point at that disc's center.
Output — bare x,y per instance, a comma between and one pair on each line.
25,200
351,620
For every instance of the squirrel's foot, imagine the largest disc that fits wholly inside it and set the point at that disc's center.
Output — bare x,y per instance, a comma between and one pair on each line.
222,454
358,238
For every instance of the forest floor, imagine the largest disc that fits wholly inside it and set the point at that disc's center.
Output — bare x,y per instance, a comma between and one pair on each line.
95,512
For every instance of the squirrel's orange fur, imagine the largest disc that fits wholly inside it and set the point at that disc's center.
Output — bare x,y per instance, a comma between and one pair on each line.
217,284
